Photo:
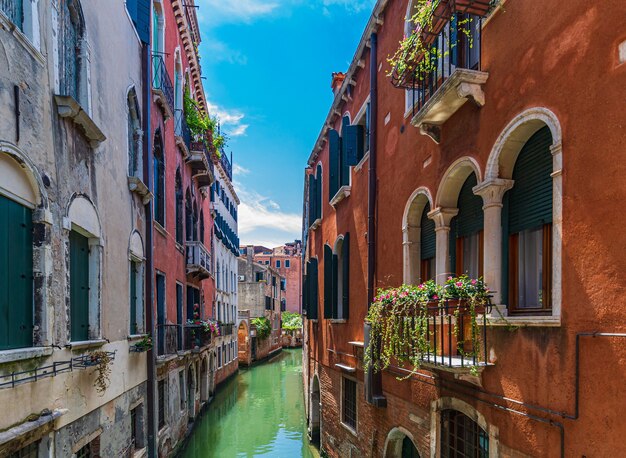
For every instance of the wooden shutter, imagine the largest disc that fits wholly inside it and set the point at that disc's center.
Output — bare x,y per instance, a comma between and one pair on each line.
428,237
335,279
353,144
16,278
313,290
318,192
334,152
79,287
530,199
470,219
133,298
328,282
305,291
345,304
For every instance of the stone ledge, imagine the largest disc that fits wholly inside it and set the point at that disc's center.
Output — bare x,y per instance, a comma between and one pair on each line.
68,107
83,344
136,185
20,354
343,192
29,426
524,321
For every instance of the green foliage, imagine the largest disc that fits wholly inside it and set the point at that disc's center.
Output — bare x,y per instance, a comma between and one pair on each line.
400,318
263,327
292,321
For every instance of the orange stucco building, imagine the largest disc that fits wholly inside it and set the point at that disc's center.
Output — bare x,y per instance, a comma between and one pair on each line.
504,163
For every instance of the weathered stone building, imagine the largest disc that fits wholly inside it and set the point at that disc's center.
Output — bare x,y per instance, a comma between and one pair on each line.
261,294
502,161
71,238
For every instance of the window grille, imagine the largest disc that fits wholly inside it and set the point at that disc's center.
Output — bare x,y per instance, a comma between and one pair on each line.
461,436
349,403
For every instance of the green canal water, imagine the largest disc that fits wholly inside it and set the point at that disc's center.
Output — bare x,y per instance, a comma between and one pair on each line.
259,412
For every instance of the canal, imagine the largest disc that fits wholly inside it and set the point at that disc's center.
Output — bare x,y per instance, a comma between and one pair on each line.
259,412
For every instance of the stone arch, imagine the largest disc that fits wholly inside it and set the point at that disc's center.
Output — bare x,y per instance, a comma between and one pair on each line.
411,232
395,442
315,417
135,245
82,214
453,179
135,134
243,343
19,178
511,140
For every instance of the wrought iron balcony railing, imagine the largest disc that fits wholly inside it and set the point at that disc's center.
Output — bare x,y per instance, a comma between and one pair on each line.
181,128
161,81
226,165
198,259
195,337
169,339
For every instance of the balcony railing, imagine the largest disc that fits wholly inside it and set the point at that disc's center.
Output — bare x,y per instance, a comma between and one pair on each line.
226,165
172,338
14,10
181,128
195,337
226,329
162,83
198,259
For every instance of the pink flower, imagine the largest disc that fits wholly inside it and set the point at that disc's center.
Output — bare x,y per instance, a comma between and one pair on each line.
473,282
450,277
459,283
421,286
435,297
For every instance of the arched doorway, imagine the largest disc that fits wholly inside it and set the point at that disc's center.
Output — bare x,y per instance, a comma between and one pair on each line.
242,343
314,412
399,444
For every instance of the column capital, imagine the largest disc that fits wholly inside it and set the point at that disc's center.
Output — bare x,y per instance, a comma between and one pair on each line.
443,216
492,191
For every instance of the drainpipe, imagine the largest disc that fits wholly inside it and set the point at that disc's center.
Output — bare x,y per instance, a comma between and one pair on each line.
373,381
149,253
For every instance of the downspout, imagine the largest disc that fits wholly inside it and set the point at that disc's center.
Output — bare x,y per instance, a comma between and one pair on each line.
373,381
149,287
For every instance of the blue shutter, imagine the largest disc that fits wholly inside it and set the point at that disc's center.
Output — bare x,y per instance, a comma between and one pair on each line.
328,282
334,152
346,276
353,143
428,238
313,289
141,18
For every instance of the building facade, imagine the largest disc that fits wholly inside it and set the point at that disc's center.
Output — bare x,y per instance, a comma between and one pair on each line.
475,167
287,259
261,295
224,206
72,249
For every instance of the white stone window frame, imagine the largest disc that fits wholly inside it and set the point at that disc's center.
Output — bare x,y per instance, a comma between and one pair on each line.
133,110
450,403
412,232
136,255
358,118
21,181
30,34
82,217
393,442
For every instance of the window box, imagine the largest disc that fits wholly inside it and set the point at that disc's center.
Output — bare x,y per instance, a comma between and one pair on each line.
343,192
68,107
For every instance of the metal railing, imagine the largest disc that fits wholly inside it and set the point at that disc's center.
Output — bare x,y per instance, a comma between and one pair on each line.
198,255
195,337
14,10
169,339
226,165
181,128
161,79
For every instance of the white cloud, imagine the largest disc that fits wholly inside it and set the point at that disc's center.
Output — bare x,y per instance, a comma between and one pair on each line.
238,170
230,120
235,10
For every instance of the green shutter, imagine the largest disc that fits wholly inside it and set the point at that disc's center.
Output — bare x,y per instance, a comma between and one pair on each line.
470,218
318,192
353,144
313,290
334,285
312,192
530,199
428,238
16,275
334,153
79,287
133,298
328,282
346,276
305,291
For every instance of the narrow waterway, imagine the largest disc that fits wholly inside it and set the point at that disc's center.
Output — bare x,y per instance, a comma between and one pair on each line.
259,412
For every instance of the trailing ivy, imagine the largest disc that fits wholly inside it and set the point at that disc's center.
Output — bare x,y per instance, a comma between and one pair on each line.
263,327
291,321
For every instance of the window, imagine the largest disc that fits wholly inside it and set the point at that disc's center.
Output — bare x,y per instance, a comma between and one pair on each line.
219,358
278,264
466,232
527,225
134,135
161,400
16,281
181,389
188,216
283,284
310,290
337,279
72,61
315,195
259,276
179,313
30,451
359,137
428,246
159,180
161,311
179,207
135,297
14,10
90,450
79,287
348,411
461,436
287,263
136,428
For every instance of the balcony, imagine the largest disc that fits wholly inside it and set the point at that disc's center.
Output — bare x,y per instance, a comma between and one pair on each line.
162,87
226,329
174,338
442,79
198,260
201,168
195,337
226,165
182,132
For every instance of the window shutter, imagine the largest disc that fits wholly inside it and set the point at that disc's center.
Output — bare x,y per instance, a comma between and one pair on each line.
318,192
334,152
353,144
16,281
328,282
313,290
141,18
530,199
305,291
133,298
335,279
312,200
79,287
346,276
428,237
470,217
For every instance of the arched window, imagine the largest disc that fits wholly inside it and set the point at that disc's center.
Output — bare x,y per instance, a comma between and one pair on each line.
188,216
72,61
136,279
466,232
134,135
159,179
179,207
527,227
428,246
461,436
202,226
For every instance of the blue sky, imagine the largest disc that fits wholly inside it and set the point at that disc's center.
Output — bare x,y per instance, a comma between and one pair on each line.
267,66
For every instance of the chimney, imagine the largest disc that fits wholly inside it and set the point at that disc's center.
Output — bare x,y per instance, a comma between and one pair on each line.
338,78
250,253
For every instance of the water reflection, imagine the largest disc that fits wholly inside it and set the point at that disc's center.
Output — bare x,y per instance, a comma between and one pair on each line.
258,413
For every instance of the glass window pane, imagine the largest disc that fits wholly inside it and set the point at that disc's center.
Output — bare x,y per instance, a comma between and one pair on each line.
530,246
471,255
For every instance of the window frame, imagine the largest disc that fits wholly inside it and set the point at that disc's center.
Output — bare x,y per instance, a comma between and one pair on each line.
346,422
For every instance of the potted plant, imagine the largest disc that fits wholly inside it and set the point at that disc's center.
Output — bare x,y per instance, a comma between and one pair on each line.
143,345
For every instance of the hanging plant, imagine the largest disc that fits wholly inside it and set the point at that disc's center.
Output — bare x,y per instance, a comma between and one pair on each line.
402,322
263,327
102,362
